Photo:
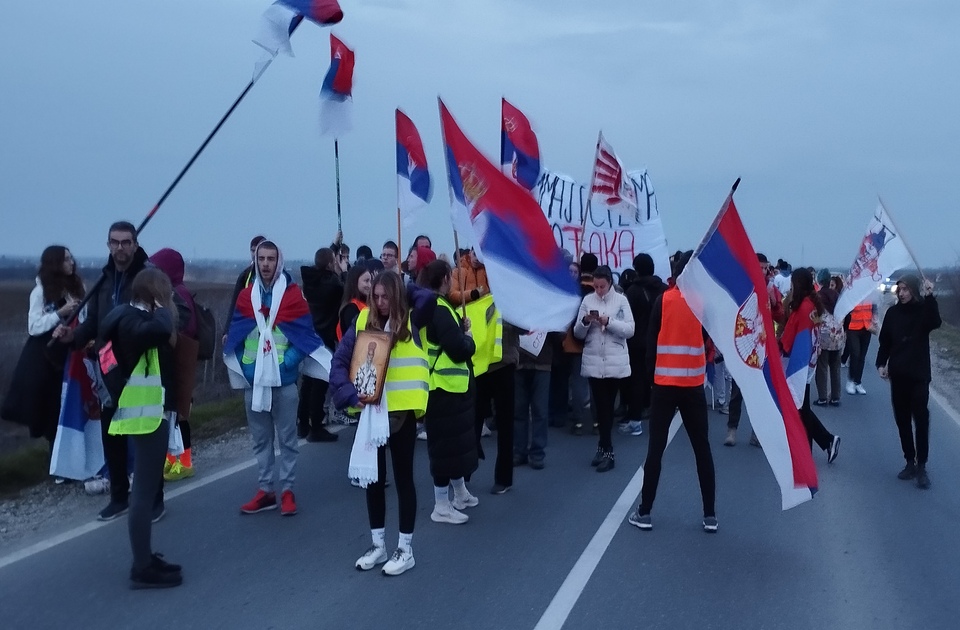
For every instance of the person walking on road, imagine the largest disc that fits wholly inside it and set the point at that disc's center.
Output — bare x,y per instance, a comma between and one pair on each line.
678,362
862,326
904,360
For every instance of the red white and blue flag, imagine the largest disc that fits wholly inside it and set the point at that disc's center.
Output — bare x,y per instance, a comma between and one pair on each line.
519,150
337,90
413,179
78,448
725,289
282,17
527,271
610,187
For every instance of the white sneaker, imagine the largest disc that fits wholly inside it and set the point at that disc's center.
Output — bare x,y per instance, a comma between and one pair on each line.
466,501
399,562
851,388
446,513
96,485
485,431
860,389
371,557
421,432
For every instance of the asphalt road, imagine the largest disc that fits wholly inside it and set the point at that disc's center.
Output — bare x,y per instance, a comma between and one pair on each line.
869,551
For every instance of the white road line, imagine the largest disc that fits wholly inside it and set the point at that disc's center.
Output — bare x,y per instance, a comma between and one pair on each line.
569,593
76,532
946,406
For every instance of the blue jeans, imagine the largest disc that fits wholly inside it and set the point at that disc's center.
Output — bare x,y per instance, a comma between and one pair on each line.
530,413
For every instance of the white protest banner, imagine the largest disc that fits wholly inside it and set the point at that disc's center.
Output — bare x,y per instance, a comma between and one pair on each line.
613,237
532,342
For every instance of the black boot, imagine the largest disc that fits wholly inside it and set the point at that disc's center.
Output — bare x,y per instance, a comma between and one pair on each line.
923,481
320,434
909,472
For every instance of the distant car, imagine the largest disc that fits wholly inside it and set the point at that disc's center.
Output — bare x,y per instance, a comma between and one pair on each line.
889,284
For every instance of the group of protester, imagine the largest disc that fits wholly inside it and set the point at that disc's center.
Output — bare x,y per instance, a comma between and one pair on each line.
454,366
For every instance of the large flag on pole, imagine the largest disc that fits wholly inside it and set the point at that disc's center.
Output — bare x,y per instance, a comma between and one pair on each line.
882,251
336,93
282,17
519,150
527,271
725,289
610,187
413,178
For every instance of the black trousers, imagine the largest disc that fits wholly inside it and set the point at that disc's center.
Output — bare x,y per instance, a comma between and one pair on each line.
500,388
735,407
310,410
149,451
604,394
910,399
691,402
858,341
816,432
402,446
116,451
638,392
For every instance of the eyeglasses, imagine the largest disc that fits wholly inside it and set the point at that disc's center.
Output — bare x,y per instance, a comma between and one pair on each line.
382,256
115,244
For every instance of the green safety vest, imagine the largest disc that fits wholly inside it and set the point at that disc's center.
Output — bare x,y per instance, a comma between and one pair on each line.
445,374
252,342
408,374
486,324
140,408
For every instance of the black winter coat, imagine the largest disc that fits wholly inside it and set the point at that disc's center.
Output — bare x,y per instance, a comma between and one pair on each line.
116,289
451,435
323,291
905,338
641,294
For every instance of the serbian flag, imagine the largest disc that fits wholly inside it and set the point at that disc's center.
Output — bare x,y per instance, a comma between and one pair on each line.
519,151
881,252
337,90
283,17
610,187
528,274
725,289
78,447
413,178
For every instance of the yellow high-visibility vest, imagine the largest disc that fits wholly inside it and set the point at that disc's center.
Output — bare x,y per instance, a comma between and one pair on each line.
486,324
407,382
445,373
140,408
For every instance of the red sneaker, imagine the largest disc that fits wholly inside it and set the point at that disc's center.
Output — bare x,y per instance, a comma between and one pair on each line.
260,502
288,505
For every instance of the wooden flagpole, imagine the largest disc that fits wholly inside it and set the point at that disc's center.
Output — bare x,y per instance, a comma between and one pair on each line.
336,154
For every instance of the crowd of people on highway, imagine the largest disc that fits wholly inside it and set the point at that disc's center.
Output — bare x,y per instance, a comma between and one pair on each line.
414,347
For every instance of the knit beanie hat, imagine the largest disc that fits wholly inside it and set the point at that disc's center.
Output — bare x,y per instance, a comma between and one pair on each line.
425,256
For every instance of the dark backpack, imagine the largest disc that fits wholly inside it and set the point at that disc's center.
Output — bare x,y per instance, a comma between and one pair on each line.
206,332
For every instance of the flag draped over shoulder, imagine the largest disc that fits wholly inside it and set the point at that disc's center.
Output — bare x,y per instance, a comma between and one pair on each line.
610,187
337,91
519,150
725,289
881,252
78,447
527,271
413,179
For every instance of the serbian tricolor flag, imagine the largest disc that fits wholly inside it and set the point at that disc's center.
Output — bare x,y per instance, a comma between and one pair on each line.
78,448
282,17
519,150
413,178
725,289
527,271
337,90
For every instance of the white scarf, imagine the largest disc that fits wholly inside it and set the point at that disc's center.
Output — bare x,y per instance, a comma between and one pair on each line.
266,374
373,431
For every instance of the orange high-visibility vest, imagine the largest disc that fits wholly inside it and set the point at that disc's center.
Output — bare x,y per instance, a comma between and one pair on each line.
680,356
861,317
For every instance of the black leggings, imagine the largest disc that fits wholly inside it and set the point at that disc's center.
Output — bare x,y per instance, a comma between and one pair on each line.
148,454
816,432
402,444
665,401
604,393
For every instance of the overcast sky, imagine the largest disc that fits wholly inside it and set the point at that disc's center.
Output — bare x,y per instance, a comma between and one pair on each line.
819,106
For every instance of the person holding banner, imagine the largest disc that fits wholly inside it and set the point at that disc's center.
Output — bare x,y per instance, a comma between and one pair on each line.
604,323
904,360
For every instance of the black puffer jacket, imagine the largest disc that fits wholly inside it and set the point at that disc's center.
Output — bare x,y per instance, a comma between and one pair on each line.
323,291
132,332
641,294
905,338
451,435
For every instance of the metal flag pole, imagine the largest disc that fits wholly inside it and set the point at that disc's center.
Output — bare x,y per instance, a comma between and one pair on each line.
96,286
336,154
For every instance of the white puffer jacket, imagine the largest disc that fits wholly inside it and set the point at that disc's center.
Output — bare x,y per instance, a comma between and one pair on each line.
605,347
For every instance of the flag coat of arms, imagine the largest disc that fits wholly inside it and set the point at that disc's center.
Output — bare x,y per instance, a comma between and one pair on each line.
283,17
881,252
527,271
337,90
413,178
610,187
519,150
725,289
